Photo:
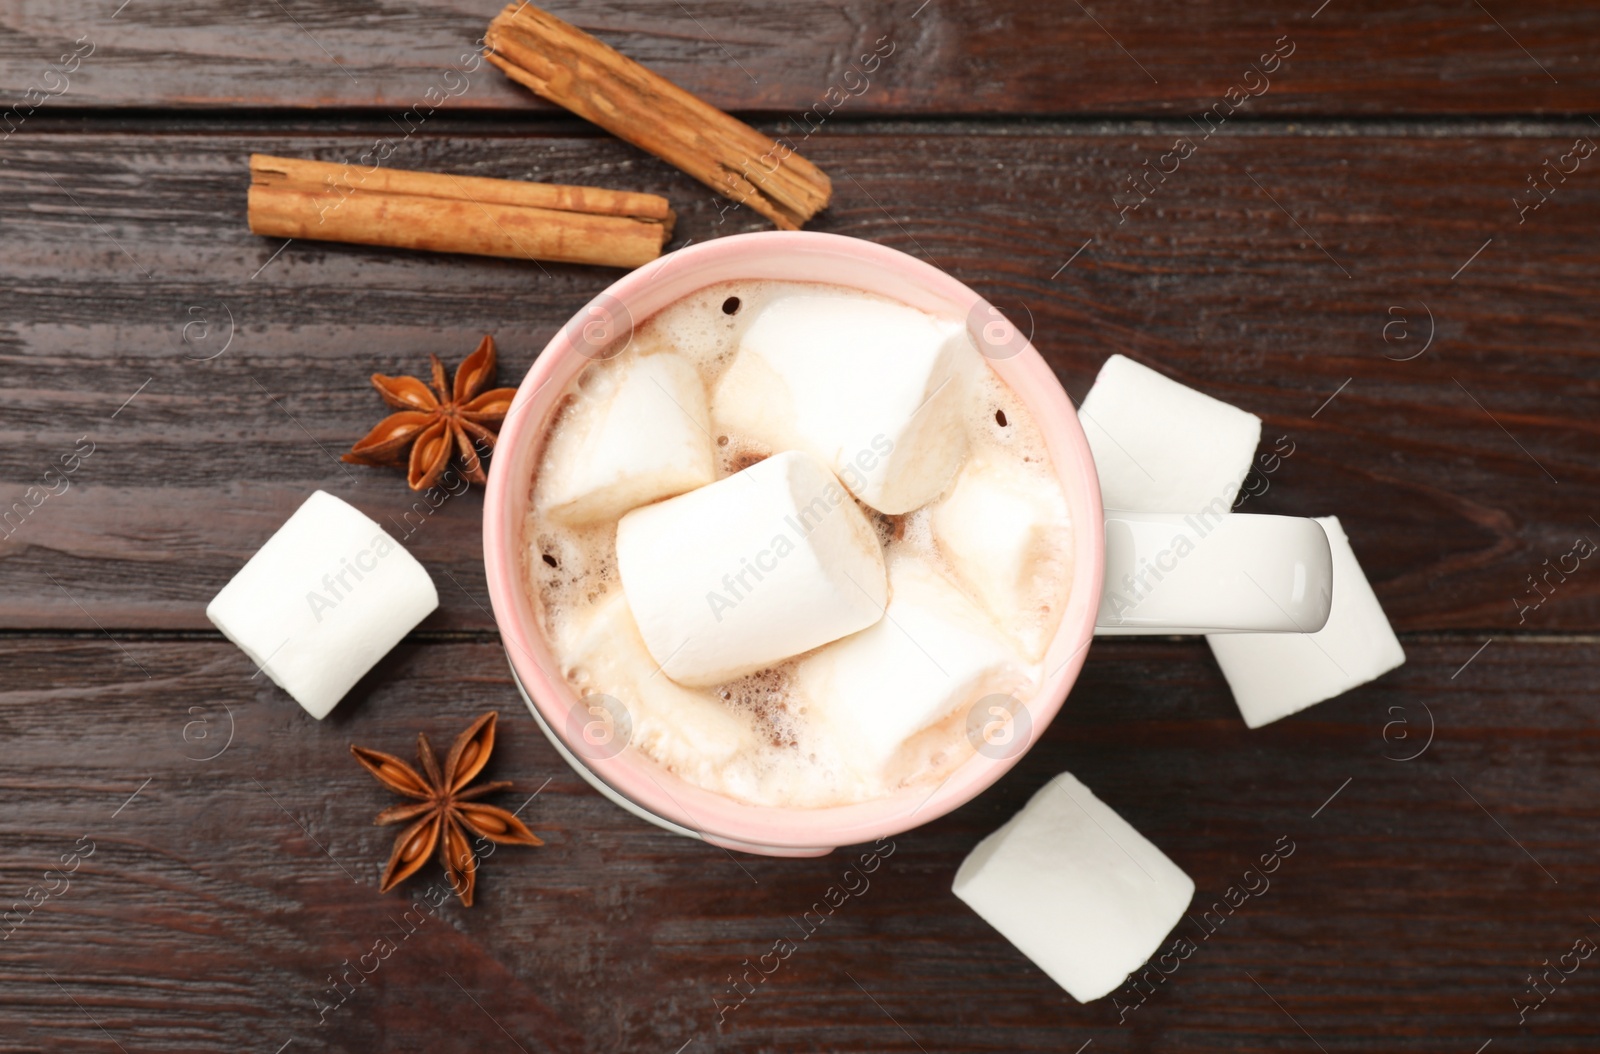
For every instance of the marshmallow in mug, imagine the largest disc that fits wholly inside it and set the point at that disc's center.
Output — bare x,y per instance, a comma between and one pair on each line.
645,438
875,390
873,693
1009,543
1075,888
691,731
750,570
322,601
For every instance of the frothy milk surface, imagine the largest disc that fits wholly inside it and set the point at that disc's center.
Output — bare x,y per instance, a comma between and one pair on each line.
989,558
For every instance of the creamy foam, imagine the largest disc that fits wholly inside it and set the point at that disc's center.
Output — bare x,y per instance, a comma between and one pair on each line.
784,758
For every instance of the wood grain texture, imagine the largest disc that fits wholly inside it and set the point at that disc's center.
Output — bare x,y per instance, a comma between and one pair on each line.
234,868
950,56
218,375
1295,262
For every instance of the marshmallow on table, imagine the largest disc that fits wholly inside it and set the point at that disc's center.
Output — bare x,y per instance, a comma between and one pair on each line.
1009,543
1274,675
876,390
327,597
750,570
1160,446
1075,888
645,438
931,657
688,731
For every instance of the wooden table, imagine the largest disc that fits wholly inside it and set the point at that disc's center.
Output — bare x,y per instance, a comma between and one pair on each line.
1344,256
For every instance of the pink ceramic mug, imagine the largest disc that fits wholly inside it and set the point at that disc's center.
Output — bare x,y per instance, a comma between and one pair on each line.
631,778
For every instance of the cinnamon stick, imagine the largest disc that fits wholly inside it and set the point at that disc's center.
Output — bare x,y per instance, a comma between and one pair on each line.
438,212
572,69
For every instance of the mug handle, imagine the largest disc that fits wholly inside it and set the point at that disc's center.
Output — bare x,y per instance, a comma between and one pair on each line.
1176,573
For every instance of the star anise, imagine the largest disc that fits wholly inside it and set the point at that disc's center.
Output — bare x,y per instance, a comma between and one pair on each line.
447,807
449,418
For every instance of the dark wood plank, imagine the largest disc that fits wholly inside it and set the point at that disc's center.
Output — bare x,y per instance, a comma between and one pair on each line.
1458,473
232,873
948,57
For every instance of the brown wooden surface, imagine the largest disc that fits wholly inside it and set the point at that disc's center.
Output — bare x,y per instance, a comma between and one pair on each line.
120,249
949,56
1290,265
213,908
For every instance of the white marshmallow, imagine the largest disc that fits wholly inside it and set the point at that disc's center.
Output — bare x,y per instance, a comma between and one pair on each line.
874,389
690,732
322,601
751,570
1075,888
1160,446
931,657
646,438
1274,675
1009,543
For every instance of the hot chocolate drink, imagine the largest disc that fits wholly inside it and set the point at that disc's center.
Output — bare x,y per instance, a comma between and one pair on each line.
797,543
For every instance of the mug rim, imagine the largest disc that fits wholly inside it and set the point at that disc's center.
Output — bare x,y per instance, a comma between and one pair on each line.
775,255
